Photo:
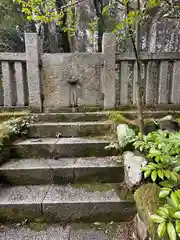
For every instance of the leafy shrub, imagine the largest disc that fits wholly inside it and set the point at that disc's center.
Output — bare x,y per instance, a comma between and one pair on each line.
12,128
162,149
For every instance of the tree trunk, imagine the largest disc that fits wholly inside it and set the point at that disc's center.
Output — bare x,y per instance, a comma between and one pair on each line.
65,38
136,47
138,76
99,7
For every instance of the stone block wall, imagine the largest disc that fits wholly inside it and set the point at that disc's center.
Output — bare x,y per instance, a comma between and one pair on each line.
80,79
58,81
68,80
72,80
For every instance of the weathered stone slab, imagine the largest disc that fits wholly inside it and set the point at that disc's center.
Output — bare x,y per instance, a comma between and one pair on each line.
175,96
152,82
62,170
35,148
20,203
77,231
21,98
78,129
7,85
50,232
98,170
71,79
72,117
64,147
164,83
85,203
124,83
26,171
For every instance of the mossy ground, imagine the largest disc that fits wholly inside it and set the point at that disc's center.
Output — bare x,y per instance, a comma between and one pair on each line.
4,116
95,187
38,225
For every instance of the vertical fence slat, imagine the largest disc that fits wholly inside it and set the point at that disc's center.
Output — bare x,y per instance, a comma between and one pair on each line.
134,82
1,88
152,82
118,84
20,84
25,81
163,83
175,96
13,84
124,83
6,76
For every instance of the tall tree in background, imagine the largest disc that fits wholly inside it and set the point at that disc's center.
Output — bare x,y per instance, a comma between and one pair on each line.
98,4
13,24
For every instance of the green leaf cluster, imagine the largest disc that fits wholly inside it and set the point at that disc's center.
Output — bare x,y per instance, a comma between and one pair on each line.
162,150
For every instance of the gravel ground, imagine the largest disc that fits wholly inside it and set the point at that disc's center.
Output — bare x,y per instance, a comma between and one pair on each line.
42,231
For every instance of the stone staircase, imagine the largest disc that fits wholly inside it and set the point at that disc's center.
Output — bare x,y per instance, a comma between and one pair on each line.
71,178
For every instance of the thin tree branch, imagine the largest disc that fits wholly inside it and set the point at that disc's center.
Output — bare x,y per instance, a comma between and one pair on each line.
136,47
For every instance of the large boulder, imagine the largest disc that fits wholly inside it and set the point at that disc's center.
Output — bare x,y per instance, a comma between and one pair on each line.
133,163
150,127
124,135
169,123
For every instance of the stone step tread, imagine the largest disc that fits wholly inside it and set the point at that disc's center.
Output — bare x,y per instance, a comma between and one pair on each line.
64,163
61,171
65,203
63,147
44,231
72,124
71,193
71,117
61,141
100,113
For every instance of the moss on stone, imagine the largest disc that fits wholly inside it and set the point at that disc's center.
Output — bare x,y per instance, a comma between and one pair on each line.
147,201
124,192
178,119
4,116
117,117
94,187
38,226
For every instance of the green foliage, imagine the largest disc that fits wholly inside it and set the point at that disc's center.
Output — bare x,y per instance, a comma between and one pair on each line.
12,24
12,128
42,11
162,150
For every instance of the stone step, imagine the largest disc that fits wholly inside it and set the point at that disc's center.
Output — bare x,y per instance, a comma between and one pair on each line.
64,203
63,147
62,171
71,117
98,116
75,129
40,230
